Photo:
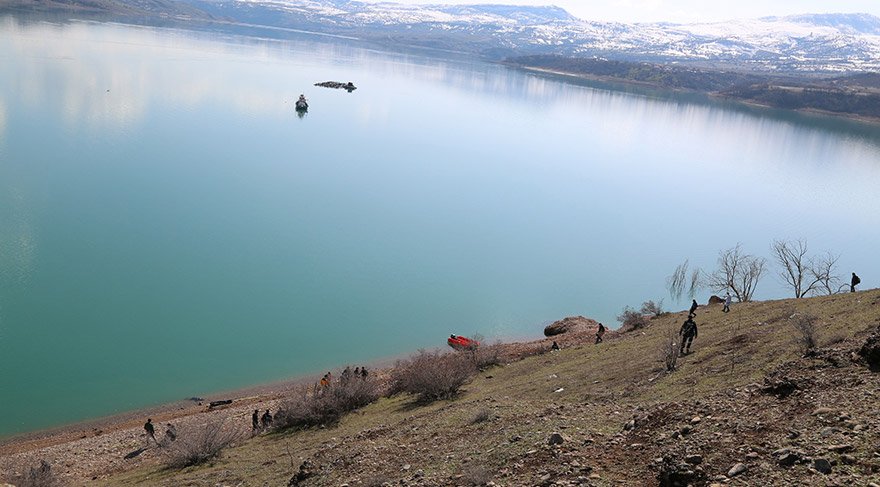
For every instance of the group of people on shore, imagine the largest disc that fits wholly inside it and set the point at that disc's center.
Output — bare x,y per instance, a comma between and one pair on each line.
261,423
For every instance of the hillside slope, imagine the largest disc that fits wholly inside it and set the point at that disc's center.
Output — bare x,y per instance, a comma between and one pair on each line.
746,395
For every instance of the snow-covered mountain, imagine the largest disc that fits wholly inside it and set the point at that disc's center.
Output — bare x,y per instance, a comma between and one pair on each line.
826,42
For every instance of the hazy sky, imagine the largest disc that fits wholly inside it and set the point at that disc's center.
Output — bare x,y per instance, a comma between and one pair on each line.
685,10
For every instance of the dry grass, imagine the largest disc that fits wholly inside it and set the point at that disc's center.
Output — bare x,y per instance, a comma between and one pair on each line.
199,444
596,382
432,376
805,331
305,408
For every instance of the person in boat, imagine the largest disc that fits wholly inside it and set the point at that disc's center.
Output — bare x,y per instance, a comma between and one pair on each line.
302,99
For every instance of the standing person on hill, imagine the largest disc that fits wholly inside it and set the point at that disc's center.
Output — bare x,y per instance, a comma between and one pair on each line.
599,333
688,332
854,282
266,419
727,300
151,431
255,420
693,310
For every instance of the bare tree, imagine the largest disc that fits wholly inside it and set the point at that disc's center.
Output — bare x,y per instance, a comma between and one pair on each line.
823,270
794,266
681,281
805,275
737,272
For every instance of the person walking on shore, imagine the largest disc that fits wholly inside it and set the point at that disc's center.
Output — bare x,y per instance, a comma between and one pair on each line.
693,310
600,332
727,299
854,282
688,332
266,419
151,431
255,420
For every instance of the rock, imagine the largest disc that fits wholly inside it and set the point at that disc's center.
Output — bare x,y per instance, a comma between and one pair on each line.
822,465
694,459
631,424
306,470
870,351
696,420
713,299
555,439
752,455
671,473
789,459
823,411
686,429
780,388
569,324
737,469
848,459
515,438
841,448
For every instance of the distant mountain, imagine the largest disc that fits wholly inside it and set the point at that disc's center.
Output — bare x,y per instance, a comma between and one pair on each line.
141,8
819,42
824,43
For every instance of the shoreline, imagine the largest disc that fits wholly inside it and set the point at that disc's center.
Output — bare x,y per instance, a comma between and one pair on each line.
182,408
97,449
711,95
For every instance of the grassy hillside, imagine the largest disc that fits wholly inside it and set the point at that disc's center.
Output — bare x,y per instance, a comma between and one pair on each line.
744,393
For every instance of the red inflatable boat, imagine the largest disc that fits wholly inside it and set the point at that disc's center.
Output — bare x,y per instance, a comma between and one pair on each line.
462,343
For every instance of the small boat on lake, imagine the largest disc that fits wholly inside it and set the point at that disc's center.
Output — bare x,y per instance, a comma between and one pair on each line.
462,343
302,105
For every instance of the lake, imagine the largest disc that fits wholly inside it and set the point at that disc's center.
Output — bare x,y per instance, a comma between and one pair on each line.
170,227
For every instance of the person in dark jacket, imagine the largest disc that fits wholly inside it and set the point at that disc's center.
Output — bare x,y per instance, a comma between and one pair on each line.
151,431
255,420
693,310
854,282
600,332
266,420
688,332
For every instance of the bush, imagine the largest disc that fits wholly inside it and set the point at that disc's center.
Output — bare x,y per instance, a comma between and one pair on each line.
651,308
805,331
481,416
432,375
41,476
670,350
486,356
305,409
476,475
631,319
198,444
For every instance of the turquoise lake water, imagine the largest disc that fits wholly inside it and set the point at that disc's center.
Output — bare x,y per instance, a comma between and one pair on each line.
170,227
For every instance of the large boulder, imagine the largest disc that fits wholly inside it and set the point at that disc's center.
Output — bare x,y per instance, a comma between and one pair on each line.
713,299
570,324
870,351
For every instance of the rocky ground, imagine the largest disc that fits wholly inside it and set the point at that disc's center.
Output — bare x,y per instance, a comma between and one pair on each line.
750,406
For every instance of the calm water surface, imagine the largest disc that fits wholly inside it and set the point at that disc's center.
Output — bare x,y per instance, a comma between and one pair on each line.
169,227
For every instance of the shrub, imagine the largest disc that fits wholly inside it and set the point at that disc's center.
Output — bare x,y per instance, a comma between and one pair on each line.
670,350
805,331
432,375
631,319
651,308
41,476
481,416
486,356
198,444
476,475
305,409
